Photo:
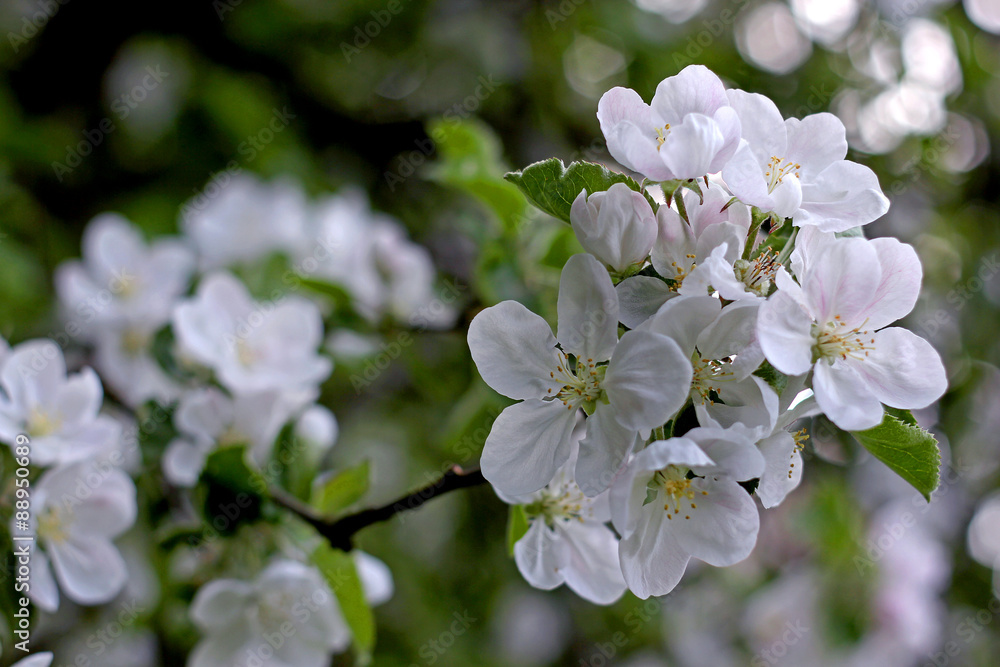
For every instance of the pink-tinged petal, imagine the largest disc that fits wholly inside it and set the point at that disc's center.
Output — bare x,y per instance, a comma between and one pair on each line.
841,282
782,468
639,297
744,175
843,195
815,142
648,380
723,527
652,560
691,146
761,124
220,603
592,569
693,90
903,370
810,243
675,241
728,122
721,233
514,350
603,451
637,148
899,288
587,309
844,397
714,209
617,227
732,452
527,444
683,319
540,556
90,570
784,330
619,105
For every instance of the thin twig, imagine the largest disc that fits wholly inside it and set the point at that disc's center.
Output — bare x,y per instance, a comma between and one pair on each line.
339,532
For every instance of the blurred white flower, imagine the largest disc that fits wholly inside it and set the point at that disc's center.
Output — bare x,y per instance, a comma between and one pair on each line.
240,219
37,660
252,346
78,510
58,412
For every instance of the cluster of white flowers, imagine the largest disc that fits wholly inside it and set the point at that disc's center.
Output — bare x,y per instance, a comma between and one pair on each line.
170,322
677,318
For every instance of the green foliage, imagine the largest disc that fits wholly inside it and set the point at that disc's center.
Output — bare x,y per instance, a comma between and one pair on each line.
342,576
908,449
342,489
517,526
552,187
228,467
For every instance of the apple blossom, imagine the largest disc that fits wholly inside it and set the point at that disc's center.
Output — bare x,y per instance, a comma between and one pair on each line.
834,322
617,227
643,384
796,168
688,130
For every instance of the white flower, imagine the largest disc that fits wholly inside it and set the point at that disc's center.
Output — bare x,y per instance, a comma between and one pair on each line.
207,418
286,617
983,538
836,325
666,517
252,346
317,427
567,540
617,227
688,131
645,382
58,412
243,220
796,168
715,231
125,361
122,281
36,660
78,509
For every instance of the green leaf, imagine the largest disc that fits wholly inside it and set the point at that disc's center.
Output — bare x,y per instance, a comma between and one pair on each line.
906,448
342,490
552,187
853,232
517,526
775,378
342,576
342,300
228,467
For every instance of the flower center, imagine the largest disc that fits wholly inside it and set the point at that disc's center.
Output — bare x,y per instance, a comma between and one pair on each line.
835,340
52,525
245,353
41,424
134,342
231,436
708,374
581,383
777,169
564,503
273,609
758,274
675,485
661,135
683,270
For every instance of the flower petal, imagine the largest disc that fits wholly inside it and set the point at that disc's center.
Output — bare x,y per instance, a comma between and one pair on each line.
603,451
844,195
691,146
592,569
588,309
652,560
639,297
528,442
784,330
514,350
723,528
732,452
899,288
683,319
841,282
815,142
540,556
90,570
648,380
903,370
220,603
782,468
695,89
844,397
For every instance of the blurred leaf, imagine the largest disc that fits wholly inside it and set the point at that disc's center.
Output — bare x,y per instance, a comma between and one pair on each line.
471,160
517,526
228,467
341,574
552,187
342,301
342,489
772,376
906,448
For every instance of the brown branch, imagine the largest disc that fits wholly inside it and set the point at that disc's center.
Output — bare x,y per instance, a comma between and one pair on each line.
340,532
